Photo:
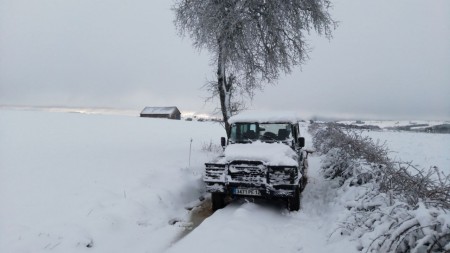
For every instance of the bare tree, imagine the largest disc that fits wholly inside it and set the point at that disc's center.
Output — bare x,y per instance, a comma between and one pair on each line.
251,41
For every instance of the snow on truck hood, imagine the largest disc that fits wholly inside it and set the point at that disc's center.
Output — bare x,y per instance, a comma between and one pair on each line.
269,153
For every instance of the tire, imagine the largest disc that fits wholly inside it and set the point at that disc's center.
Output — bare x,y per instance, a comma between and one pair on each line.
304,181
218,201
294,202
306,163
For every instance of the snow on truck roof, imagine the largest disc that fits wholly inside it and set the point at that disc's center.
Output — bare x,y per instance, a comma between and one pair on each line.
265,117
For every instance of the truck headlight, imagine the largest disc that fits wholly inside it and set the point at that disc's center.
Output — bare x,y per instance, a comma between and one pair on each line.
214,172
282,174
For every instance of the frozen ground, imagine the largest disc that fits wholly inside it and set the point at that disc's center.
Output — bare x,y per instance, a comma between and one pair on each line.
101,183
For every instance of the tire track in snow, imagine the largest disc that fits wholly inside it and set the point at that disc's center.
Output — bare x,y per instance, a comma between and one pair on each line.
197,215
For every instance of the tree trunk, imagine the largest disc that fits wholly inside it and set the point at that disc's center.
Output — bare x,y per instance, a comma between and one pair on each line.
224,90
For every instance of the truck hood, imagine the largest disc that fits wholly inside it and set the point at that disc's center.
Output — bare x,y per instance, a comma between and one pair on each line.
276,154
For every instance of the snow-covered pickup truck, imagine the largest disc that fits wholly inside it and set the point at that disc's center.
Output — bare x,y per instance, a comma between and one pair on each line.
264,158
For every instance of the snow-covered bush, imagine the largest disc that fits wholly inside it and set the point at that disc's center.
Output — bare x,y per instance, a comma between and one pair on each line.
346,150
381,223
394,206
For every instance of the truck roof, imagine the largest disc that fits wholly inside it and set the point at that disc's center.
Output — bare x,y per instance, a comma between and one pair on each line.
265,117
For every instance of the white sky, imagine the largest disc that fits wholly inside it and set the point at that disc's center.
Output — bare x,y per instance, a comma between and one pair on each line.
389,59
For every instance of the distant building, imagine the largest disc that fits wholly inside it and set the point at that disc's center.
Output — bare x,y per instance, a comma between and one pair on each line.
171,112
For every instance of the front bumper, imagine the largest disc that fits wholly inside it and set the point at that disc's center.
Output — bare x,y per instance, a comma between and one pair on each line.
252,176
266,191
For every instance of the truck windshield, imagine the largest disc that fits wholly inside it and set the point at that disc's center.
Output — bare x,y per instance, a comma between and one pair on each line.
267,132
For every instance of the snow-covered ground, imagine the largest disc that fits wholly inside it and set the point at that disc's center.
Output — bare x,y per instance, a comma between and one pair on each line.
422,149
394,123
69,182
259,226
103,183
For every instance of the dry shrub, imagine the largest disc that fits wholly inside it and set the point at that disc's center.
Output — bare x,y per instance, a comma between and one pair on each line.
211,147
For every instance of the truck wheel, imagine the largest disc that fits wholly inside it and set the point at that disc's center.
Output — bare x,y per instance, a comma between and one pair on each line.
304,182
218,200
294,202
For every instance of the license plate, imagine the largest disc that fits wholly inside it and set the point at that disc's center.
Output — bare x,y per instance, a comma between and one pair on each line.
250,192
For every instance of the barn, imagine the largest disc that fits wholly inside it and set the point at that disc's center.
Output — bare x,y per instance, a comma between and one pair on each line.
170,112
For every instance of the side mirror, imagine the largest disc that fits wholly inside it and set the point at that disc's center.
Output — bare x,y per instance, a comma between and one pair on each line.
223,141
301,142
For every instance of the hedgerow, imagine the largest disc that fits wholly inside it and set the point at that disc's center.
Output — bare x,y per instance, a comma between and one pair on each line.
393,205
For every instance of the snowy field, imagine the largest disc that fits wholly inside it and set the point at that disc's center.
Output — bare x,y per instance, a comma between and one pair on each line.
424,150
72,182
394,123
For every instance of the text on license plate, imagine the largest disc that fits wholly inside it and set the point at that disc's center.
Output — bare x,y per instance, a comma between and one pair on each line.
251,192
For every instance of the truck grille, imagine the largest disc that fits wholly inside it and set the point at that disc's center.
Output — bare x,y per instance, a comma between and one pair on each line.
247,172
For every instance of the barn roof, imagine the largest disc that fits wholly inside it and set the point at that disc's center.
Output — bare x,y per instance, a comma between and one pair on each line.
160,110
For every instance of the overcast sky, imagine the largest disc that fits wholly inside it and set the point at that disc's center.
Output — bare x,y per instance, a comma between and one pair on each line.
389,59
